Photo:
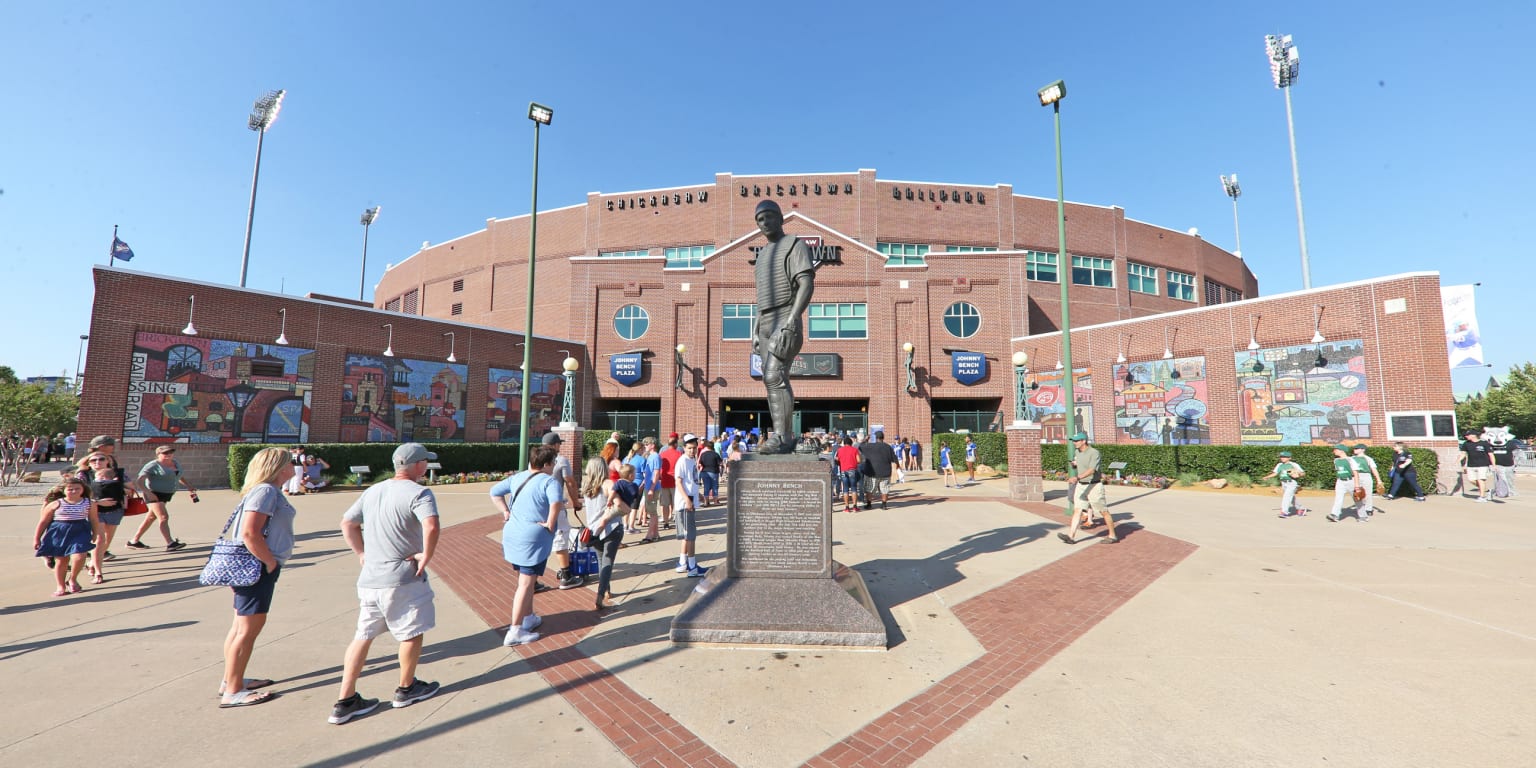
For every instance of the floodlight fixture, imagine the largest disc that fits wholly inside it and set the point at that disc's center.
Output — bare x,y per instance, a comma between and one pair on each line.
264,111
539,113
1053,93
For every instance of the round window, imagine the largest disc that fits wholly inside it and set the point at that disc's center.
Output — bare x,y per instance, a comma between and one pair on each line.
962,320
631,322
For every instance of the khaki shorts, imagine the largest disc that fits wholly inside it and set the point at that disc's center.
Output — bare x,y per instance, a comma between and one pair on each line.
406,611
1477,473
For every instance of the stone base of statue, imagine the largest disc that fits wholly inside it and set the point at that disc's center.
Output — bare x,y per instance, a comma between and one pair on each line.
779,585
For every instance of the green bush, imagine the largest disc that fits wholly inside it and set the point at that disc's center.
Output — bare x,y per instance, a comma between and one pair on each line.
1208,461
991,450
1238,479
379,457
593,440
1187,479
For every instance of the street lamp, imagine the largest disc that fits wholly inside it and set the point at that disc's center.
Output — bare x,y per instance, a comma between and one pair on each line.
240,396
190,330
568,410
682,365
79,355
282,331
541,116
1020,367
1234,191
263,114
451,341
389,346
367,221
1051,96
1284,67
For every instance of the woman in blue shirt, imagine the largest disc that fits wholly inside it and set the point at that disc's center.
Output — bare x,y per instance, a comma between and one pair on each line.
536,504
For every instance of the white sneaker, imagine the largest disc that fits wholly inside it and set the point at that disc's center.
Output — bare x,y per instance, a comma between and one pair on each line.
532,621
519,636
681,568
1481,500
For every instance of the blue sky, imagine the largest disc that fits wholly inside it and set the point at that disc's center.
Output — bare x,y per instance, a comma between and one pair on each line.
1412,126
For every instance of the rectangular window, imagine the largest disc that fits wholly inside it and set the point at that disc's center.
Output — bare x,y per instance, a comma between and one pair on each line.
412,303
458,285
625,254
1216,293
1231,294
1040,266
903,254
738,321
970,248
457,309
838,321
1094,271
1181,286
688,256
1141,278
1421,425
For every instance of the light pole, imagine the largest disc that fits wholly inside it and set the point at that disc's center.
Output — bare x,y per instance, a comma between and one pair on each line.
367,221
1051,96
1284,67
541,116
1234,191
1020,367
263,114
79,355
568,409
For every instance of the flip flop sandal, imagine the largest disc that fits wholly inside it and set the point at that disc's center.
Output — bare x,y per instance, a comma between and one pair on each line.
74,587
251,684
60,592
245,698
97,578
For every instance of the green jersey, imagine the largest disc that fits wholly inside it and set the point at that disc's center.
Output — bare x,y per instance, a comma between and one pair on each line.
1288,470
1344,469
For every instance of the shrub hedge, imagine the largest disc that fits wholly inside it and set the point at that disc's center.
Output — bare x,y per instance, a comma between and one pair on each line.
991,450
455,458
1210,461
592,444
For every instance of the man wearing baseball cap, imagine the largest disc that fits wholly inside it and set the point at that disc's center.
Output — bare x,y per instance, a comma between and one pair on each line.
1085,484
1346,473
1368,472
686,502
1289,473
563,474
393,530
1476,459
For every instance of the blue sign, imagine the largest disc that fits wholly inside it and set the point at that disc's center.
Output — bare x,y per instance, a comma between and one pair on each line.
812,365
969,367
626,369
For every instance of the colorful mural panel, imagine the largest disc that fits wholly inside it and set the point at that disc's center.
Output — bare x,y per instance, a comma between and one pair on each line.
397,400
1162,402
1309,394
1046,402
503,412
192,389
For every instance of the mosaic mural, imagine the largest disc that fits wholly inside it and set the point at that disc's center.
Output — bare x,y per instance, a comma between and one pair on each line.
1311,394
397,400
192,389
1046,402
504,411
1162,402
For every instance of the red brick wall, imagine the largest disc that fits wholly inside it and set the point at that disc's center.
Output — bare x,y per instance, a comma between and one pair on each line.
128,302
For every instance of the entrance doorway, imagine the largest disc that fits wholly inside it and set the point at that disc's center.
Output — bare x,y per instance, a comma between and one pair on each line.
638,418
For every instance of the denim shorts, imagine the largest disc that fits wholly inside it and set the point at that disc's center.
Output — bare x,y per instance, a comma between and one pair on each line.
257,598
848,482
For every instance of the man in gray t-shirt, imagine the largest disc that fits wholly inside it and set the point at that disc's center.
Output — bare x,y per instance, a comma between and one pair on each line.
393,530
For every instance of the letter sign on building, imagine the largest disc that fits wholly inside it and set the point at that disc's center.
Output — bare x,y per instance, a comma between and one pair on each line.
626,369
969,367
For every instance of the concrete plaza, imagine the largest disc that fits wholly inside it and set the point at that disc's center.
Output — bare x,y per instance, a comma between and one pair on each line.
1214,635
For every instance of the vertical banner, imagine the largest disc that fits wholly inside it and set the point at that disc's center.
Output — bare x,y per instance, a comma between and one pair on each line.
1463,343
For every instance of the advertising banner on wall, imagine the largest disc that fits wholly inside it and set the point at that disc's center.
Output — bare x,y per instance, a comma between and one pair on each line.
396,400
504,411
1162,402
1463,342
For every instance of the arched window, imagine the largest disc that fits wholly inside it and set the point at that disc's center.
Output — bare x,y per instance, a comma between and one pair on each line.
631,322
962,320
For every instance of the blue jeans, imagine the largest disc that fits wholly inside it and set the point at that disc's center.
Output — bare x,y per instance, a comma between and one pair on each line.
711,482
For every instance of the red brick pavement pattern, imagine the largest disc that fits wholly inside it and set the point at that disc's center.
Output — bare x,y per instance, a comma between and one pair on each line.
470,563
1021,624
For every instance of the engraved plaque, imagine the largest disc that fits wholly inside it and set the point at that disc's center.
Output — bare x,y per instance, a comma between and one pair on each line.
780,520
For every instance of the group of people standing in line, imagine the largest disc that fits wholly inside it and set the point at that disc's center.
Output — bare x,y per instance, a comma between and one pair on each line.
80,515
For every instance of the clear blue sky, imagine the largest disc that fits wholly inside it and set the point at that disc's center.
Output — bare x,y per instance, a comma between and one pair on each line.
1413,125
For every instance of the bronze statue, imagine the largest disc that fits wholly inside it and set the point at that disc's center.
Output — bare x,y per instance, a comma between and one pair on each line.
785,278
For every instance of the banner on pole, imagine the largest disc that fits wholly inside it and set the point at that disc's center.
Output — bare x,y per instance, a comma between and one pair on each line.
1463,342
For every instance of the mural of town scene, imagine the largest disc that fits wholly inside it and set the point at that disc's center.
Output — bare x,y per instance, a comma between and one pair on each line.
1309,394
396,400
192,389
1046,402
1162,402
503,413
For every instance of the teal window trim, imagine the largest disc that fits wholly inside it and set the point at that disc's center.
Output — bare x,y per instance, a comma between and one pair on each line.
1141,278
687,256
1181,286
1093,270
1040,266
838,321
631,321
962,320
903,254
738,321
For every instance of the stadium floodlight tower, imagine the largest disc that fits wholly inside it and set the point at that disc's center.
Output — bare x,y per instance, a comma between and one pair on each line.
1284,67
263,114
541,116
1234,191
369,216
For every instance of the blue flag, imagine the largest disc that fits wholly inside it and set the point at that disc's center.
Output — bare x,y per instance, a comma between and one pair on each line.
121,251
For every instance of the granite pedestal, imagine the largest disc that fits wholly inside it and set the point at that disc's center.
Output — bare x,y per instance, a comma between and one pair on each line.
779,585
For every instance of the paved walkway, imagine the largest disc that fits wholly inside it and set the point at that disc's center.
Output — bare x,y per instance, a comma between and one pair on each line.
1214,635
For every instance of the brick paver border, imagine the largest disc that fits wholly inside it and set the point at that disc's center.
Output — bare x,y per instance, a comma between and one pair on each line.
1021,625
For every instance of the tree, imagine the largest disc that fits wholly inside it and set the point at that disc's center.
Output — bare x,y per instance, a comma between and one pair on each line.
29,409
1512,405
8,375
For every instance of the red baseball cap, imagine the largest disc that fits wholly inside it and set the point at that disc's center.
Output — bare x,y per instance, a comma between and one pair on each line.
672,436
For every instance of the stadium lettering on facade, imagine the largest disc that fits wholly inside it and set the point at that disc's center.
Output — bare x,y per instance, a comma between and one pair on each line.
820,254
795,190
940,196
659,201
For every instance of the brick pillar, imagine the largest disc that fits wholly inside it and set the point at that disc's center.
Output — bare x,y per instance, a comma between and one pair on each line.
1024,462
570,445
